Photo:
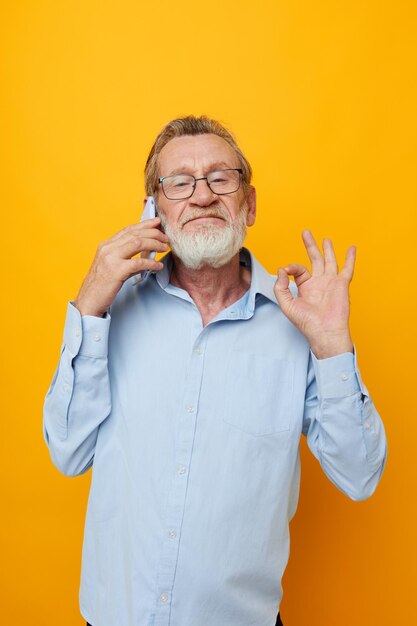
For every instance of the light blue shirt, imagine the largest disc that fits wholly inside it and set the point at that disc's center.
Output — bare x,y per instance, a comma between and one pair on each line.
193,436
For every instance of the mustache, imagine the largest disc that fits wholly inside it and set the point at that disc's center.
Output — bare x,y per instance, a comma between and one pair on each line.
193,214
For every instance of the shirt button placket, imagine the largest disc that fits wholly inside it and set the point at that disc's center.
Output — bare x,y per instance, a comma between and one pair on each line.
176,499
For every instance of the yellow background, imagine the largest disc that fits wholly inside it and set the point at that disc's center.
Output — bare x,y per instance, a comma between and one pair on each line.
322,97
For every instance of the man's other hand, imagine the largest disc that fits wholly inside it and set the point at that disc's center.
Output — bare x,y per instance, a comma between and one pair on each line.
321,309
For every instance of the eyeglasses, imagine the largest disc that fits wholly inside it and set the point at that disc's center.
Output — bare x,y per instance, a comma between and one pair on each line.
182,186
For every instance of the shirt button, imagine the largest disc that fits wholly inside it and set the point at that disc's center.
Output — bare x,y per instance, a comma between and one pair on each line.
97,337
344,376
172,534
163,597
367,425
190,408
198,350
77,332
181,469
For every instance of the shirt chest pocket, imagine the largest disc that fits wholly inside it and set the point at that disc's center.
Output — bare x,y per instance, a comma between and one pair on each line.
259,393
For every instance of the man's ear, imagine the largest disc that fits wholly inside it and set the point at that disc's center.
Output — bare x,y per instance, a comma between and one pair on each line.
251,202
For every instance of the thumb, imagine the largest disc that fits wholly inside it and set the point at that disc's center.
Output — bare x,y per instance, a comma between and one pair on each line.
282,290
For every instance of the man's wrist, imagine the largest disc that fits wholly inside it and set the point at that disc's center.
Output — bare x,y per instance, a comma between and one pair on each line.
88,310
332,346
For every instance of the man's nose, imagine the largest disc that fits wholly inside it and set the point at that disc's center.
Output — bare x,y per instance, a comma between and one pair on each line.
203,195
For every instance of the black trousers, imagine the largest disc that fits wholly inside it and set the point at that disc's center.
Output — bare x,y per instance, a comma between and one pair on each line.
278,622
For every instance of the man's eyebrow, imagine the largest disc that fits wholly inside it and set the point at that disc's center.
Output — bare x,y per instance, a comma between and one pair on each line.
212,168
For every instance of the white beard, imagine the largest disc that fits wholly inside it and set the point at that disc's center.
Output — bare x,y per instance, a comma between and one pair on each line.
208,244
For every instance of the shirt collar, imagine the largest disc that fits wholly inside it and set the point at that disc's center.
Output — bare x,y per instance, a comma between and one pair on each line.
261,282
163,275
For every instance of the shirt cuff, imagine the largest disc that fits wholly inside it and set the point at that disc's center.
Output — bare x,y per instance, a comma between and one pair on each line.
337,376
86,335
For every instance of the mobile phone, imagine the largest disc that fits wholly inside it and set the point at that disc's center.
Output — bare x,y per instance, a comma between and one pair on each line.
149,212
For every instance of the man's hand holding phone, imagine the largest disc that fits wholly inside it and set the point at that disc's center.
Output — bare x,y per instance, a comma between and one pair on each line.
113,264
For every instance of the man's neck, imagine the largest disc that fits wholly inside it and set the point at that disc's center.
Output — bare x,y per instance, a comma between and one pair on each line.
212,289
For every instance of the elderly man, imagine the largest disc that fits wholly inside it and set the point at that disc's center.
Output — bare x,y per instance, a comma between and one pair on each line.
188,392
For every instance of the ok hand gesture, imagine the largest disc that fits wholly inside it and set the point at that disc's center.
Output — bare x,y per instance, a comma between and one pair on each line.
321,309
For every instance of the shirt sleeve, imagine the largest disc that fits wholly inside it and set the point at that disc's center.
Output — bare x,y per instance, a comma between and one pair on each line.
343,428
78,399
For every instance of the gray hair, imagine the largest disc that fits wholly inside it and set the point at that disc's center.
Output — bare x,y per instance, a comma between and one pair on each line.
191,125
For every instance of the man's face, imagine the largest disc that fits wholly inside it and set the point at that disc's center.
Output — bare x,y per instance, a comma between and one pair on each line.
207,226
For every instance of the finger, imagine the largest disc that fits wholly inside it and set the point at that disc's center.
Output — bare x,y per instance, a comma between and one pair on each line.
300,273
330,261
140,244
148,233
146,225
132,267
132,239
349,266
282,291
153,222
314,254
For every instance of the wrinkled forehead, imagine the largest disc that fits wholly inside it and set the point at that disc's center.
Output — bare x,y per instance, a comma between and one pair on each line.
196,154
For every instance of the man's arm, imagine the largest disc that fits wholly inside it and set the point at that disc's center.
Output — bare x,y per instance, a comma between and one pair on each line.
78,399
343,428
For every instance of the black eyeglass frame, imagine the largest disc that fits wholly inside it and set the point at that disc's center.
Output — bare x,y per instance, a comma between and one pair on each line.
228,169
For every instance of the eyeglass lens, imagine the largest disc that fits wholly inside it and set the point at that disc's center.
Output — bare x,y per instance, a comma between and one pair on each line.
182,185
